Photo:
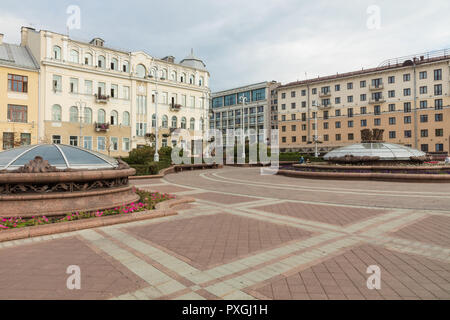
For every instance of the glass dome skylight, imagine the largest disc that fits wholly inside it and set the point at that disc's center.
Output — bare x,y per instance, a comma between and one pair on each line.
385,151
57,155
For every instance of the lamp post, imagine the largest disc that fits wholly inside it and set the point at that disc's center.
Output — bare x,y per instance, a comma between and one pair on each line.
316,137
81,106
156,156
243,100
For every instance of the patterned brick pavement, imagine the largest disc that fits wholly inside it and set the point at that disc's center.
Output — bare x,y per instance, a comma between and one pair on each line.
250,236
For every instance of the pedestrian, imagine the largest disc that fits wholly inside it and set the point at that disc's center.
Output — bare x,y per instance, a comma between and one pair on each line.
447,160
302,160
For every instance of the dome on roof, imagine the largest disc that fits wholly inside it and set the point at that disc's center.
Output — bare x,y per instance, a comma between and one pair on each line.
193,62
60,156
385,151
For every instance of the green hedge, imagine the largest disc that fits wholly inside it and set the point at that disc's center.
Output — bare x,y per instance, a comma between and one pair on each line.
295,156
150,168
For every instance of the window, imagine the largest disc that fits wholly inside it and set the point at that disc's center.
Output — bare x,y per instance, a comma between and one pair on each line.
283,139
293,105
377,122
114,64
391,93
114,118
174,122
362,84
88,143
391,107
114,91
88,87
423,89
126,66
363,110
74,56
140,71
407,119
326,137
337,124
422,75
424,147
314,91
56,112
407,92
126,119
439,147
88,59
101,116
423,118
407,133
350,123
391,79
438,117
406,77
364,123
424,133
292,94
141,129
294,139
338,137
351,136
25,139
423,104
293,128
283,106
336,100
126,93
101,143
259,94
350,99
437,74
303,93
57,83
183,123
363,97
8,140
165,121
73,85
337,87
438,104
101,62
17,83
392,120
350,85
17,113
392,134
337,113
439,132
73,141
407,107
114,144
87,115
438,90
73,114
377,110
126,144
56,53
283,95
56,139
350,112
293,116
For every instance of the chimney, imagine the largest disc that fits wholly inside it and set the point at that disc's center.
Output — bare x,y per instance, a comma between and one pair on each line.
1,38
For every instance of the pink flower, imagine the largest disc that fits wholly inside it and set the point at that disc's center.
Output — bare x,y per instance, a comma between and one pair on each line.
3,227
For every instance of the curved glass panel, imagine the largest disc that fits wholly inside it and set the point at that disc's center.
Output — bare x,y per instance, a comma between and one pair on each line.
47,152
7,156
386,151
79,157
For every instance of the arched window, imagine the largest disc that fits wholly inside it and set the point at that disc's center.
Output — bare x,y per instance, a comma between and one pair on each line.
192,79
140,71
202,123
174,122
165,121
114,118
183,123
126,119
88,59
74,56
163,74
153,72
102,62
73,114
173,76
56,112
126,66
183,77
201,81
56,53
114,64
87,115
154,121
192,124
101,116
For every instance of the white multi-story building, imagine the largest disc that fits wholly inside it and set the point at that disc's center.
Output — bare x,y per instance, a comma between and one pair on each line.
105,99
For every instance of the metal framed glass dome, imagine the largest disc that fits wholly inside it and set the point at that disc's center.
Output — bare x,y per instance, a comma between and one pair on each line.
385,151
58,155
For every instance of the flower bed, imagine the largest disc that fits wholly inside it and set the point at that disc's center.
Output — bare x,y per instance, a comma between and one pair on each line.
147,201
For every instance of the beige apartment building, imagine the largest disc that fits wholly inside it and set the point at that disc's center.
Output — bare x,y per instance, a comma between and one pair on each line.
104,99
408,97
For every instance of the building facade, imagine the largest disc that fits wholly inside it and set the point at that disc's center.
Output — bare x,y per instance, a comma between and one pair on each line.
104,99
19,101
248,107
407,97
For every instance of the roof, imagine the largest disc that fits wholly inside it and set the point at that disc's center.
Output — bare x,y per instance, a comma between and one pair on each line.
385,151
59,156
381,68
193,62
17,56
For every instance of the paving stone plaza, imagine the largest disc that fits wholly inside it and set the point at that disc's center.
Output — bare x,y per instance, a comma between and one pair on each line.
251,236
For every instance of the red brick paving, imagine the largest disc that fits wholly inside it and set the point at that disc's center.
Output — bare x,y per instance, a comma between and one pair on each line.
335,215
222,198
434,230
220,238
403,276
38,271
166,189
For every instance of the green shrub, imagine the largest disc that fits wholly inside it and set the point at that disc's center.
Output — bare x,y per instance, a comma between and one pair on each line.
141,155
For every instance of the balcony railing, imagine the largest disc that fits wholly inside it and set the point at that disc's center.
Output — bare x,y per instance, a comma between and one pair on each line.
175,107
324,94
375,87
101,127
101,98
325,106
377,100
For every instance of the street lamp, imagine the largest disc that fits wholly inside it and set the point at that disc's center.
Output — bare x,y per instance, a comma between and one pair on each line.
156,156
243,101
316,137
81,106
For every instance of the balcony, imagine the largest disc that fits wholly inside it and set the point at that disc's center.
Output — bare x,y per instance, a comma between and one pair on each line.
325,94
376,87
175,107
377,100
325,106
101,98
101,127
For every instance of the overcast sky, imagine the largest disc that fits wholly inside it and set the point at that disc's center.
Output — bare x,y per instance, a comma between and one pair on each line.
246,41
